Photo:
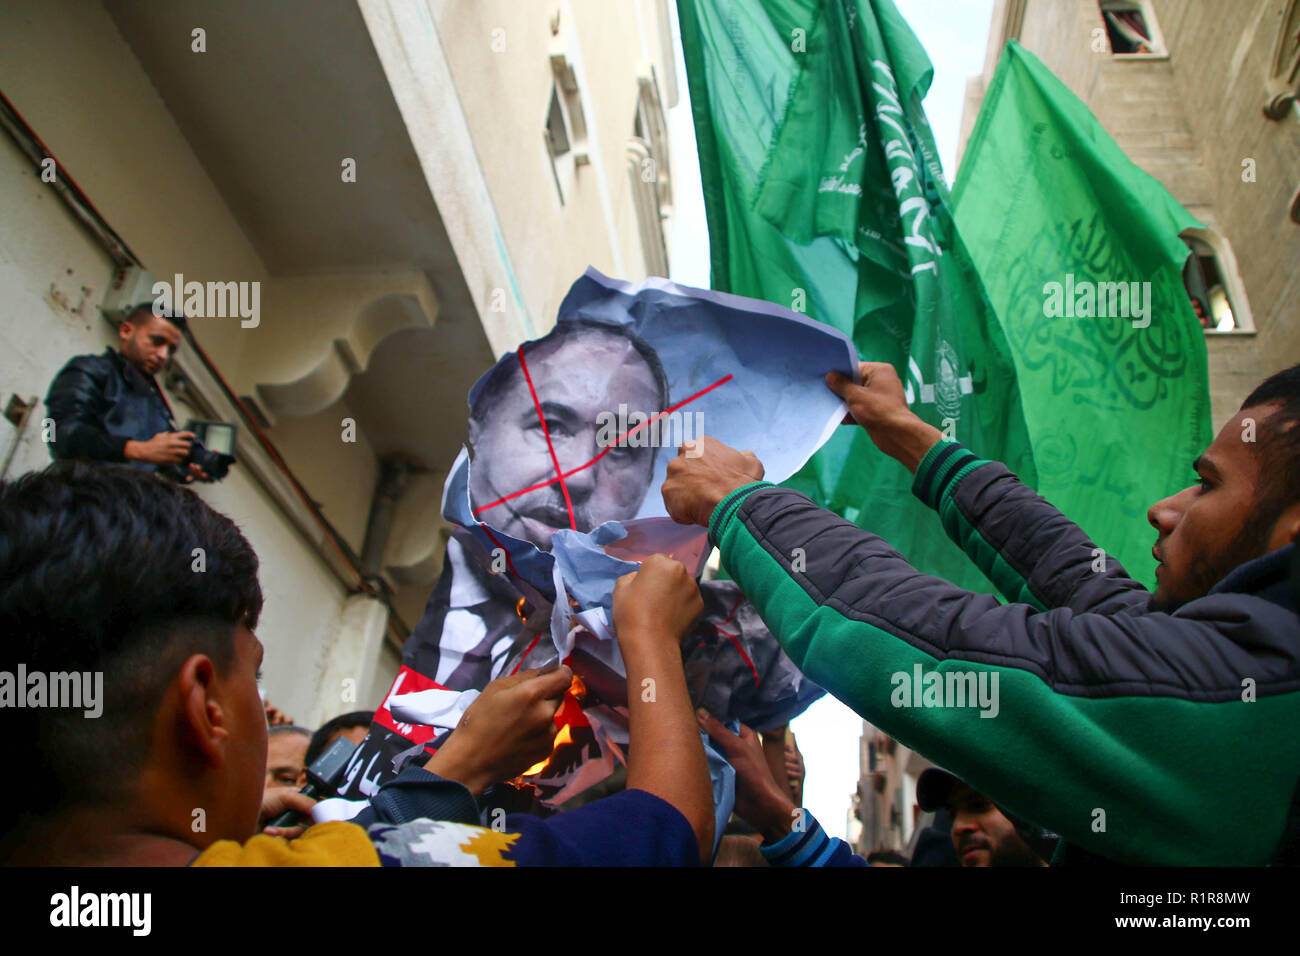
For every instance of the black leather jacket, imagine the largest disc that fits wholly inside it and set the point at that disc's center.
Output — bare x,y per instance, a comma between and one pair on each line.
100,402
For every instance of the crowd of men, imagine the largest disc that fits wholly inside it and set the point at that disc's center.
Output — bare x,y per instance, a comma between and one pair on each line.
1133,727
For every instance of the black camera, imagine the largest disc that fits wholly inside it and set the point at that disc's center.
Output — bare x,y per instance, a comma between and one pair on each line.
212,450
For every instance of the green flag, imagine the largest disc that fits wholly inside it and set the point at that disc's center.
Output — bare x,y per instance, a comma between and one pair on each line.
1080,254
824,193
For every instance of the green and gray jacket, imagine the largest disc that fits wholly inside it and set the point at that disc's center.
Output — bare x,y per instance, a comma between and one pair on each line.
1142,737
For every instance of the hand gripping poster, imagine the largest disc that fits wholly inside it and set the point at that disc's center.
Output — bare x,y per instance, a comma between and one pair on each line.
557,495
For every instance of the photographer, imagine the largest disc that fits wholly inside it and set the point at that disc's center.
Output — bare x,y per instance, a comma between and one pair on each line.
109,407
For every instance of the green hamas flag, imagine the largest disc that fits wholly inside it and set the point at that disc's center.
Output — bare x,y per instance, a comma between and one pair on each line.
1080,254
824,193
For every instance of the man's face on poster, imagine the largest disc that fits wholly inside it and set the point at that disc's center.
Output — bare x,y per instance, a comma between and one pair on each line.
576,380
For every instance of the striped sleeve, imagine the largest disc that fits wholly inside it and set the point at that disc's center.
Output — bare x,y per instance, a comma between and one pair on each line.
1089,724
1033,553
810,845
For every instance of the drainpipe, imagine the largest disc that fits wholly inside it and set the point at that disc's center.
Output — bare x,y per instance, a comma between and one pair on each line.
394,473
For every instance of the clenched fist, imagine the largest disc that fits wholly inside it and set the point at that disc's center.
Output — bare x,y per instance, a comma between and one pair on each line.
660,601
703,473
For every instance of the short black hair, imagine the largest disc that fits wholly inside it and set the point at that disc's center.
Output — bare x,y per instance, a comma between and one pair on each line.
100,572
320,740
503,372
171,315
287,729
1277,442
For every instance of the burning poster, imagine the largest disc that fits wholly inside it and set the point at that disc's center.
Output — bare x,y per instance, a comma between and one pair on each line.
558,495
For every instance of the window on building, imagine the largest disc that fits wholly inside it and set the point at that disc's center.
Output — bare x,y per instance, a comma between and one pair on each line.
1214,285
1131,28
565,132
557,133
647,159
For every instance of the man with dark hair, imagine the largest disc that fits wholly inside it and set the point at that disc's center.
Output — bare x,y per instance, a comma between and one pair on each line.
1143,728
110,408
97,571
288,752
353,726
96,578
982,834
1254,470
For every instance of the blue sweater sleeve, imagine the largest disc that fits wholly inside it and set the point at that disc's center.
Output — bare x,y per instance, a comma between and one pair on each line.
810,846
631,828
417,794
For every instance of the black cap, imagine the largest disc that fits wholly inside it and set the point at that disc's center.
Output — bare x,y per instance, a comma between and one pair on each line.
933,788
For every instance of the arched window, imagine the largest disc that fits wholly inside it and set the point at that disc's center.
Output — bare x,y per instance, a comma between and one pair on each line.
1214,284
1131,28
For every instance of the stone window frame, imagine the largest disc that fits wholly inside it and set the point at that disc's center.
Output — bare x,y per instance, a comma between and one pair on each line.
564,110
647,153
1225,261
1161,50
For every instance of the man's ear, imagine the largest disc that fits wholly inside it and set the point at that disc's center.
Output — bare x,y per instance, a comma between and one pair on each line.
202,719
125,330
1287,529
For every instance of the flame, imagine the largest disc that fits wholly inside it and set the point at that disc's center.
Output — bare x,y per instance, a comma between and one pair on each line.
577,689
565,736
577,692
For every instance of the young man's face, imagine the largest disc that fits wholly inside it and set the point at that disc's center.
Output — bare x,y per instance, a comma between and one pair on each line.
246,715
981,835
1210,528
148,342
575,382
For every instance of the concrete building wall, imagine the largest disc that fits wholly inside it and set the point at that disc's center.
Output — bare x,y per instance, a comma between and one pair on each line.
68,71
884,806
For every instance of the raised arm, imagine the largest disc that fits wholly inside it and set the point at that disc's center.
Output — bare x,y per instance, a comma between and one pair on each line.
1022,543
653,609
1096,726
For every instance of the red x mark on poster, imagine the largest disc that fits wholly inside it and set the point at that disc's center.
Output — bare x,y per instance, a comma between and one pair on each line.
560,475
